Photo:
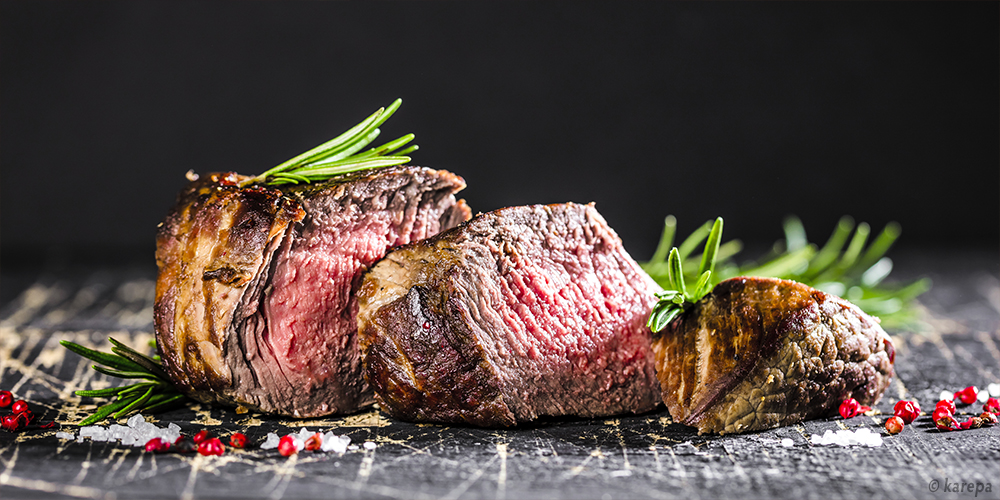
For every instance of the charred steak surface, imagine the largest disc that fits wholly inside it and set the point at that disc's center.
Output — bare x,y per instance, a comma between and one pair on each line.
254,302
519,313
759,353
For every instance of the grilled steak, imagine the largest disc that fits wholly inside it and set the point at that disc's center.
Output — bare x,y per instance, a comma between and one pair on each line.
254,302
759,353
518,313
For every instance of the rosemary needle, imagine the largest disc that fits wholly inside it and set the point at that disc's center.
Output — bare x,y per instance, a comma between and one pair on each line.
855,272
341,155
156,393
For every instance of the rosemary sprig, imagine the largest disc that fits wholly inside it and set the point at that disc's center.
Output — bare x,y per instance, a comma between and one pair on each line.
676,297
854,272
340,155
154,394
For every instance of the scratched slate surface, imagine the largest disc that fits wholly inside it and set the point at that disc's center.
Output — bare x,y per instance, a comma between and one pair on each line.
642,456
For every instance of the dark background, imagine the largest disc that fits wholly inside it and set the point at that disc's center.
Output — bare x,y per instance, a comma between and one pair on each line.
883,111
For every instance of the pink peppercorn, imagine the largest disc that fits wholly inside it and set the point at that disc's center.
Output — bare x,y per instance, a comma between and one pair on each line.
950,405
287,446
211,447
967,395
908,411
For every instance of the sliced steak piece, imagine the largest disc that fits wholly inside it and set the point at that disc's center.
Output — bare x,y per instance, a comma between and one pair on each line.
254,302
518,313
759,353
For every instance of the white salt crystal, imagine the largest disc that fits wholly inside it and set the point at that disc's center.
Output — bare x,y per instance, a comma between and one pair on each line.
65,435
79,439
946,396
135,420
128,440
352,447
174,427
100,435
89,430
369,445
270,441
335,443
299,442
994,390
863,436
117,431
786,442
983,396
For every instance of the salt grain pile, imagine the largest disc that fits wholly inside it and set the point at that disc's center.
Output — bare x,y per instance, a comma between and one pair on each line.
862,436
136,432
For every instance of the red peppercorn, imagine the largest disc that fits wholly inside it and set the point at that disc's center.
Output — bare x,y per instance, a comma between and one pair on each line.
237,440
894,425
908,411
314,442
154,445
989,418
947,423
9,422
940,412
287,446
25,417
850,408
19,406
967,395
950,405
200,436
992,405
5,398
211,446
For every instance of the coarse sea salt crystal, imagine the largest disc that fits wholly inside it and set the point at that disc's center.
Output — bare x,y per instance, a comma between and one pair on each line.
134,420
89,430
65,435
863,436
983,396
270,441
352,447
946,396
994,390
369,445
335,443
787,442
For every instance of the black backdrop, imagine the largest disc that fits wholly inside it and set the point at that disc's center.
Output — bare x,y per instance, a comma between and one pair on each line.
884,111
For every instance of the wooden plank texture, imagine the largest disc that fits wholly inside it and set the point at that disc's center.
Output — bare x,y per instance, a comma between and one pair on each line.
643,456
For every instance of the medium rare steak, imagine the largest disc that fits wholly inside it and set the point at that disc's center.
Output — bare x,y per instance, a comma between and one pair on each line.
254,302
518,313
759,353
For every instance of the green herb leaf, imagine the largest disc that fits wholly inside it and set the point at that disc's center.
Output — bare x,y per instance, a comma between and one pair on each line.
138,358
854,272
111,360
125,362
103,412
676,297
340,155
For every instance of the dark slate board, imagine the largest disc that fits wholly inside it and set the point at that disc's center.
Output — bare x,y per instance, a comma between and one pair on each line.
643,456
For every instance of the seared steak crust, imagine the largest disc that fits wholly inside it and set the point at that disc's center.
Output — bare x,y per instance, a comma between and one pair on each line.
516,314
759,353
254,302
